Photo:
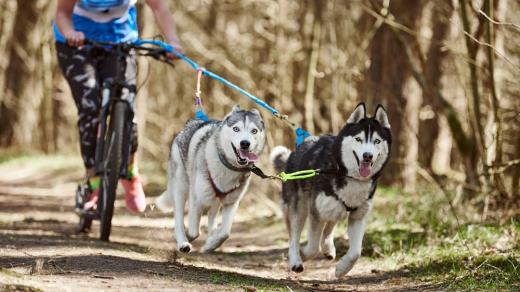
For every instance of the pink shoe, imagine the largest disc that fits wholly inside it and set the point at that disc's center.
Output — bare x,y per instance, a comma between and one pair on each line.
134,194
92,201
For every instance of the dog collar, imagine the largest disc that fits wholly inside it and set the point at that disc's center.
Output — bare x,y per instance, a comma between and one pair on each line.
228,165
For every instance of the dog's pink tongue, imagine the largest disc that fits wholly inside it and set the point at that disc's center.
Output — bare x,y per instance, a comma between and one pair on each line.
250,156
365,168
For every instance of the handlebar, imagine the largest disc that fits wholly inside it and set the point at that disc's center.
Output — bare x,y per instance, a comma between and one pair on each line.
149,48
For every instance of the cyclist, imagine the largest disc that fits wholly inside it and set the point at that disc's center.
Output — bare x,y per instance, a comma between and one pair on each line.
102,21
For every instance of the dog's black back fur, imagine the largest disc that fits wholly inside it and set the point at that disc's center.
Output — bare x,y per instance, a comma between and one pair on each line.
324,152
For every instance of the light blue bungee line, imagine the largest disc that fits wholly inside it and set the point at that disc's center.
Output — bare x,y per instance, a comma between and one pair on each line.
301,134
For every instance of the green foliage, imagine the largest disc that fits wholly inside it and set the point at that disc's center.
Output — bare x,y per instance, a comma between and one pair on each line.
11,273
20,288
245,282
420,235
486,273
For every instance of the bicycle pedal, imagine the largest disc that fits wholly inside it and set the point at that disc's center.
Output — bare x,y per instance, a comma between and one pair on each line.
91,213
83,192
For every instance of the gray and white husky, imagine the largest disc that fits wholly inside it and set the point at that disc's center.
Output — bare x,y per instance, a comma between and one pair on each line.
352,162
210,164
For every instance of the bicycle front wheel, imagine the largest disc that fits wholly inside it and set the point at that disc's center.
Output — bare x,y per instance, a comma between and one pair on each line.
112,165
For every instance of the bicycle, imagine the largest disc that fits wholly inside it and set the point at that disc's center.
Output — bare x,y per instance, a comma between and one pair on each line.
114,131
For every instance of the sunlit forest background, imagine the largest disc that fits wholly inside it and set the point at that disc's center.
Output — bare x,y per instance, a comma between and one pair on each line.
446,71
447,209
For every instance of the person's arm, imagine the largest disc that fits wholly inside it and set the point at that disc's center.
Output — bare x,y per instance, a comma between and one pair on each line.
64,23
165,20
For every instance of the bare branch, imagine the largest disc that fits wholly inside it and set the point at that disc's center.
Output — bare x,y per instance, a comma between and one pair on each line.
492,47
516,26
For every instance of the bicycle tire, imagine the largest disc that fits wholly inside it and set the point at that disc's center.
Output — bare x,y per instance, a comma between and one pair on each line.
112,167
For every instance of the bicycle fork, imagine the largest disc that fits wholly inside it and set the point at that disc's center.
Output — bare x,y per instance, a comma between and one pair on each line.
107,102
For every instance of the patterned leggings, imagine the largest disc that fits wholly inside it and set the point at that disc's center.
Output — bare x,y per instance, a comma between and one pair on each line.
85,71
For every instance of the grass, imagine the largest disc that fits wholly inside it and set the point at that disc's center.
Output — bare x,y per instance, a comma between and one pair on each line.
420,234
482,273
11,273
19,288
245,282
477,257
41,162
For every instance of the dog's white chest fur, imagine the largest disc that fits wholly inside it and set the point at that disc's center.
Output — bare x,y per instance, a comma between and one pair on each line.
329,208
354,194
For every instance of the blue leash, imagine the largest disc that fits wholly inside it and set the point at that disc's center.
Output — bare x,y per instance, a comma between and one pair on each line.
301,134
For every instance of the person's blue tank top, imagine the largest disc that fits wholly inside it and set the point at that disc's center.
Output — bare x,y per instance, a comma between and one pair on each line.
104,20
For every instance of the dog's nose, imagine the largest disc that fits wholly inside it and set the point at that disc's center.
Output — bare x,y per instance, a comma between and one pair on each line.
244,144
367,156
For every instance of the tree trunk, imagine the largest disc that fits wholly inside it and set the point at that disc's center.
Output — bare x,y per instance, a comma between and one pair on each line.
440,22
313,63
498,179
8,10
19,111
476,117
387,75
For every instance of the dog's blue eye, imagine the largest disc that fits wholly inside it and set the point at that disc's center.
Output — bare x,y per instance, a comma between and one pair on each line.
254,131
359,139
377,141
236,129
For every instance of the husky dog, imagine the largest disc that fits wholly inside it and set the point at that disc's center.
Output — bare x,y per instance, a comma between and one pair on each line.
351,163
210,164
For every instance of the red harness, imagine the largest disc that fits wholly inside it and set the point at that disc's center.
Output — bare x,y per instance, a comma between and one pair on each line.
220,194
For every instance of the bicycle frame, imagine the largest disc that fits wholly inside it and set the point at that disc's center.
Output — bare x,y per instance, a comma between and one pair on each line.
118,101
115,90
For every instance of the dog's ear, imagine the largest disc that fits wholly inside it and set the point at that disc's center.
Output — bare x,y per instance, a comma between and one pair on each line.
255,111
381,116
358,114
236,108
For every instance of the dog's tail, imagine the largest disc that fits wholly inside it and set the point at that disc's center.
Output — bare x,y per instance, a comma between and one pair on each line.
164,202
279,156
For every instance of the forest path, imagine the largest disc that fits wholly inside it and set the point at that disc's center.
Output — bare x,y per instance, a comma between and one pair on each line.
39,248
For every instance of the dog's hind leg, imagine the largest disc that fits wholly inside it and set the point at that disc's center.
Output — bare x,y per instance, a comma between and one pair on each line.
165,202
313,237
296,215
356,230
222,233
327,240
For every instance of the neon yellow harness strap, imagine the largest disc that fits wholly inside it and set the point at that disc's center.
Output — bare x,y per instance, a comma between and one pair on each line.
302,174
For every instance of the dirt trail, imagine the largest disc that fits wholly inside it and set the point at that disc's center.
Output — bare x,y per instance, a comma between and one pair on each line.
39,248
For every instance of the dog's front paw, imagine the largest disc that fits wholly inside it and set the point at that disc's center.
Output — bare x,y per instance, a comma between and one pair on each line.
298,268
345,265
296,264
214,242
184,247
329,251
308,253
191,237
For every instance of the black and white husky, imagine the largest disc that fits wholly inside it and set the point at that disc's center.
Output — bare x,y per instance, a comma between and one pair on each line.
210,165
352,163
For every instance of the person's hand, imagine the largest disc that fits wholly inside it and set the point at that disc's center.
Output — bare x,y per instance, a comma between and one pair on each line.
177,47
74,38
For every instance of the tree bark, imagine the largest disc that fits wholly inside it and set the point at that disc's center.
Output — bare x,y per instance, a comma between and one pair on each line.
476,117
440,22
387,75
19,111
497,177
313,63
